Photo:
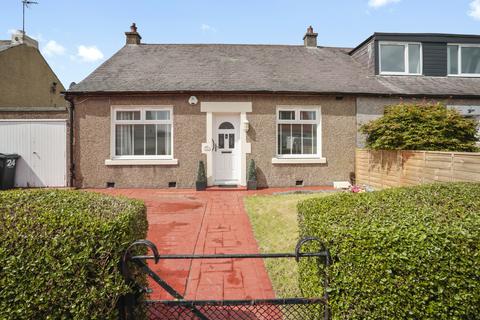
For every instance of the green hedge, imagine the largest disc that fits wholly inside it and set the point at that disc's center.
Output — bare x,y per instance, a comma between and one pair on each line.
406,253
59,253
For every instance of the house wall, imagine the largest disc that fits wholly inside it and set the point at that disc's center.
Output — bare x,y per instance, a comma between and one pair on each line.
365,55
92,141
370,108
26,80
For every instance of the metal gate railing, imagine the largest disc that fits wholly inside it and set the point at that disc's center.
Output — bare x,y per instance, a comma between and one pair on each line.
136,306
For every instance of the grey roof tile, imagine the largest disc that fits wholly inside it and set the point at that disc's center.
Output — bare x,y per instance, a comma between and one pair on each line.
261,68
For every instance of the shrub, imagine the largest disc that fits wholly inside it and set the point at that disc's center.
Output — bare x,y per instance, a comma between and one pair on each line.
406,253
252,171
421,127
59,253
201,175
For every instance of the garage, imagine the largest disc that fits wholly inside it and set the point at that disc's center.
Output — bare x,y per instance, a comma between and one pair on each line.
42,146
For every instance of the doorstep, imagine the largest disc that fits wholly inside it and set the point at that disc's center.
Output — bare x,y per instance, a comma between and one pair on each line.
226,188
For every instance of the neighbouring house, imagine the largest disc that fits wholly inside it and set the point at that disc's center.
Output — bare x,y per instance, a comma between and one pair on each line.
33,114
147,115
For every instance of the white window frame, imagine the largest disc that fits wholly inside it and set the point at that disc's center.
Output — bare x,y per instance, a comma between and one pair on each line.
317,121
406,62
459,66
143,110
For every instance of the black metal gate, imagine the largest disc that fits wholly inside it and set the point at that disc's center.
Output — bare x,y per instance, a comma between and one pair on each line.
136,306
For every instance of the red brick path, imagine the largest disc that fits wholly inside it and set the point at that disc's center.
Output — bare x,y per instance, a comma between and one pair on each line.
212,222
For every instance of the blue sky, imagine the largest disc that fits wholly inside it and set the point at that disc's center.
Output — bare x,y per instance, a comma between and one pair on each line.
77,36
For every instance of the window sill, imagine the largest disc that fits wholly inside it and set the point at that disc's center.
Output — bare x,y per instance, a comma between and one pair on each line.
141,162
298,160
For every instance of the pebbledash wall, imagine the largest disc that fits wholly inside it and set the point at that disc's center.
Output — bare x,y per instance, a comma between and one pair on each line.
92,127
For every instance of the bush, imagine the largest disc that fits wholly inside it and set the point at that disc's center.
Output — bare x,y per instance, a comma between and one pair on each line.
421,127
406,253
59,253
201,175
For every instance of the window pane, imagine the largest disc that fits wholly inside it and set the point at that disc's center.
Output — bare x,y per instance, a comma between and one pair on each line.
392,58
139,139
296,139
285,138
308,139
286,115
123,140
470,60
308,115
452,60
128,115
158,115
151,139
414,58
164,132
231,141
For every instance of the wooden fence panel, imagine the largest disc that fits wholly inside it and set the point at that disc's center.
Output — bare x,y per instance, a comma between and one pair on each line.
384,169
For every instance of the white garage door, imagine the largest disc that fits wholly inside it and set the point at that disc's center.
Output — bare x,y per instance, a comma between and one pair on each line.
42,147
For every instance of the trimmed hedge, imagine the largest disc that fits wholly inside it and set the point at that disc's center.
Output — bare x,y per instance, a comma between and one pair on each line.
59,253
406,253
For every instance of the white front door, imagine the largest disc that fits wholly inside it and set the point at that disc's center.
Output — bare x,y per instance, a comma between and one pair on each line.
226,149
42,147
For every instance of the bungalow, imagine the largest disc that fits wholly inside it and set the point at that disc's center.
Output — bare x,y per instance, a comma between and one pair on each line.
147,115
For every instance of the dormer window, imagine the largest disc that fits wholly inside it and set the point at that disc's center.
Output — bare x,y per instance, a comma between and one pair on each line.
464,60
400,58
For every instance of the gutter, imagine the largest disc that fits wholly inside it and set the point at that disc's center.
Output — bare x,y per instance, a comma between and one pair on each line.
260,92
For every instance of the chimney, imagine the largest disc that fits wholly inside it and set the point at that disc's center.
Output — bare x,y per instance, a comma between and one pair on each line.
133,37
310,38
18,37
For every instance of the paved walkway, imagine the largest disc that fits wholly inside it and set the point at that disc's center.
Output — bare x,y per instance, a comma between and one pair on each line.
211,222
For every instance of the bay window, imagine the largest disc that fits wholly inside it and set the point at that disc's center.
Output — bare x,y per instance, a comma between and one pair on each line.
464,60
142,133
298,132
397,58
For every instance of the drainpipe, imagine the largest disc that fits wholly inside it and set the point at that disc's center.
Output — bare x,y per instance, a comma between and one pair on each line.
70,116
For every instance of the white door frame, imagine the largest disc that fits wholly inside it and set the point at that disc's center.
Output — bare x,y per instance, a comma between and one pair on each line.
210,108
226,160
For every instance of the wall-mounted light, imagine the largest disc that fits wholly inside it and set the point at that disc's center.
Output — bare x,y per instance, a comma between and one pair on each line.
246,125
193,100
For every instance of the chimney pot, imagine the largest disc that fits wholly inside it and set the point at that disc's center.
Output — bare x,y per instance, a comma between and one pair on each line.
133,37
310,38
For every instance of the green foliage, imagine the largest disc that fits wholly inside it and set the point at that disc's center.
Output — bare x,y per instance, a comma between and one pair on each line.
60,252
406,253
252,171
431,127
201,175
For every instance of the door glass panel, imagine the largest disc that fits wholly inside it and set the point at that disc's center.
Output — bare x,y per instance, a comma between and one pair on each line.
226,125
231,141
221,141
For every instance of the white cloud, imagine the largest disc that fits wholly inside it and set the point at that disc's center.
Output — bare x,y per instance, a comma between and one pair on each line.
380,3
53,48
475,9
207,28
89,54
